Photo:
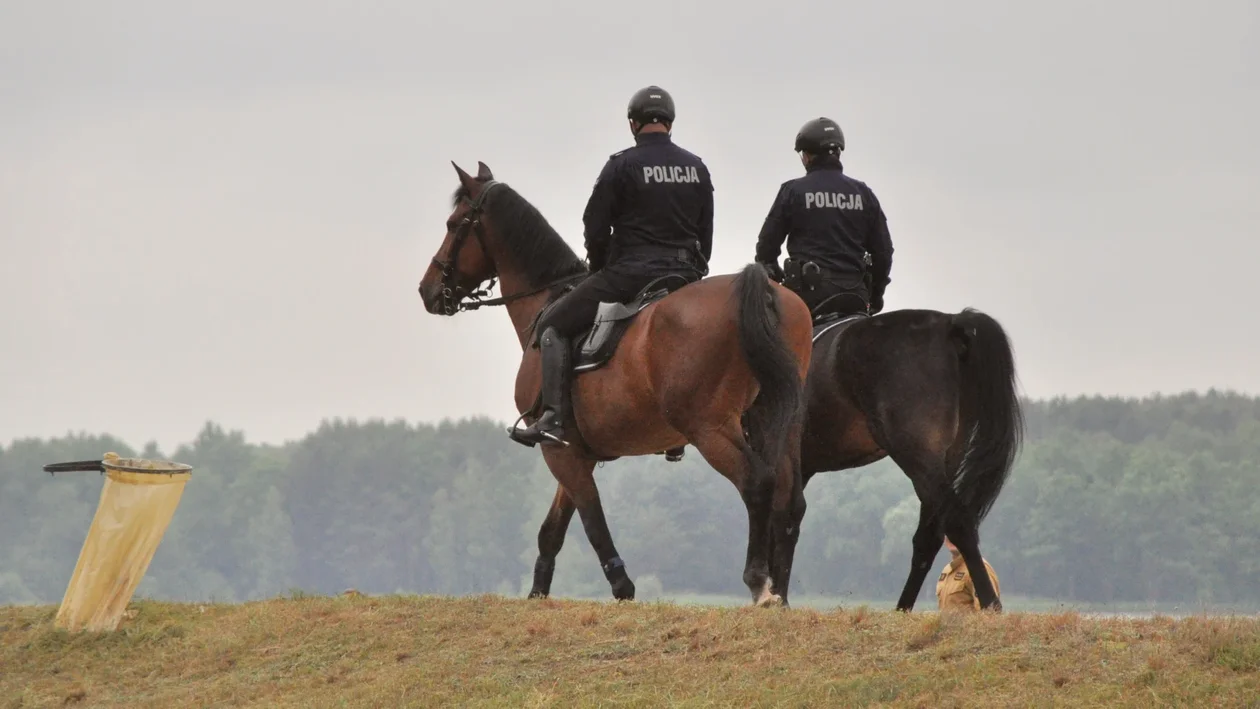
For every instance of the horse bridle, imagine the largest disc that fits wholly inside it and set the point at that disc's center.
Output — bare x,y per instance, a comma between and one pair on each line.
453,293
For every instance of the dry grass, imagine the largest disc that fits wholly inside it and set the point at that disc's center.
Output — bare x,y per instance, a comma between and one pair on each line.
490,651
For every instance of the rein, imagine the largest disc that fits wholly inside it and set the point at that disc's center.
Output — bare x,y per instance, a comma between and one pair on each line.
453,294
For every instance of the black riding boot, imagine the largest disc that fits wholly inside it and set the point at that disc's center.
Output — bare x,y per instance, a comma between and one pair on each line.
555,393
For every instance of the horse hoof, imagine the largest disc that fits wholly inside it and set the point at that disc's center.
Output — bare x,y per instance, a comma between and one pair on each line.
770,600
537,594
623,590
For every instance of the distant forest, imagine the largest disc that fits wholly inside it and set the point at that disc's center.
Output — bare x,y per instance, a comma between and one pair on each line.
1112,502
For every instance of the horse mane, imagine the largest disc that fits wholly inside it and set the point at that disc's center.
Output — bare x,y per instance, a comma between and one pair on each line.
533,244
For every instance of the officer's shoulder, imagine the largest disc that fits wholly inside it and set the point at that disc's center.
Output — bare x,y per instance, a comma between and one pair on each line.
691,155
860,184
616,161
620,153
790,184
685,152
854,180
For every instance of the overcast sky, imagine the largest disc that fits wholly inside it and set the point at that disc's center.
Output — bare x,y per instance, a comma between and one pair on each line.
221,210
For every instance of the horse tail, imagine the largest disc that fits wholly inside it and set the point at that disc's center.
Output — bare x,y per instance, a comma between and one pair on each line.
777,407
991,421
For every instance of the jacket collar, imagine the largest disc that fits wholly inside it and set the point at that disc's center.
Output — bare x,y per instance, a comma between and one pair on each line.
825,162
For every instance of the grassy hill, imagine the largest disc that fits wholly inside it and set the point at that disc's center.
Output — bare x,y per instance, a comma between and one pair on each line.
492,651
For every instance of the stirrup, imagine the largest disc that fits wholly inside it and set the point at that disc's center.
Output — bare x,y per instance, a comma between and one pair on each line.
526,436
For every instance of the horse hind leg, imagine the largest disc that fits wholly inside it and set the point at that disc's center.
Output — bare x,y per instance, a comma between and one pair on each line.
963,528
914,418
919,441
726,450
941,513
927,542
786,514
964,533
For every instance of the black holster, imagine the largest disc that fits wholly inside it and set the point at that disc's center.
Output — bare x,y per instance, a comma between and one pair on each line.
801,276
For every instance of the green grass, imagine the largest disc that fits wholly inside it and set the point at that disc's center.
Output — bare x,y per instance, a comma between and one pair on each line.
491,651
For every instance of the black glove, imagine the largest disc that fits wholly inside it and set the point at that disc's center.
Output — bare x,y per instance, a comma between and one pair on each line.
774,270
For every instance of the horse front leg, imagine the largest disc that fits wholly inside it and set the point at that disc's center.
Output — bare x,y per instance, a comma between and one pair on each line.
550,540
576,477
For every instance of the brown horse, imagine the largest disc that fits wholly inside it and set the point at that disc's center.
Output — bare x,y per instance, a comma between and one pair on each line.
934,391
676,375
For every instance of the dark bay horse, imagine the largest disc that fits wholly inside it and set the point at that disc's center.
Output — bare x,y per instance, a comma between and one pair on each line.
934,391
718,363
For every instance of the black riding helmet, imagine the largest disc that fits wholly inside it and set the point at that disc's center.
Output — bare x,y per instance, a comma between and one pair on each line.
651,105
819,136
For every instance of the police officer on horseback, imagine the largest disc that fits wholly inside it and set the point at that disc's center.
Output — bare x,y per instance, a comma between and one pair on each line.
839,249
650,215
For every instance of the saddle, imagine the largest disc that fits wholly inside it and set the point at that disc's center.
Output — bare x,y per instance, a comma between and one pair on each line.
831,321
597,345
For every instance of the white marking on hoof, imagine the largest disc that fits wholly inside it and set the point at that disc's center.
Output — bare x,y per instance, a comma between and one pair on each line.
768,598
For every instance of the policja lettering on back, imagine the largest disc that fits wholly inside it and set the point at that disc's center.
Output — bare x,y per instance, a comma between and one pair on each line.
837,200
671,173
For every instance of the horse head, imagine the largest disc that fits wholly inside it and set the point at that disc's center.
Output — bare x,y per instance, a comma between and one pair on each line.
461,264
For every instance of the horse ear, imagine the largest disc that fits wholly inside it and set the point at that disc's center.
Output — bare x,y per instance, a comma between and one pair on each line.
465,179
483,172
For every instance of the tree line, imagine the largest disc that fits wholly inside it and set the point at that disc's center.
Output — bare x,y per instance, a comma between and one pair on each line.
1113,501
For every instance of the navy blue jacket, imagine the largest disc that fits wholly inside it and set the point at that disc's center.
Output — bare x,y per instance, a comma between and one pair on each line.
831,219
649,202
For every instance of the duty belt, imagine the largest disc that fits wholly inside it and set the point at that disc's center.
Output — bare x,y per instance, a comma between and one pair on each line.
808,275
690,256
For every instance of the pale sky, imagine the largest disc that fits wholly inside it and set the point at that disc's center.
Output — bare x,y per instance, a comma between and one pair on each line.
220,211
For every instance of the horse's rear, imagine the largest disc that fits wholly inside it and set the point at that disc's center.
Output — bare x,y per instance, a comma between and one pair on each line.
719,364
934,391
900,363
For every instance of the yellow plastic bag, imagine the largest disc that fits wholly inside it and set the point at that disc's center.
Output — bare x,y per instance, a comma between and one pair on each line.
137,504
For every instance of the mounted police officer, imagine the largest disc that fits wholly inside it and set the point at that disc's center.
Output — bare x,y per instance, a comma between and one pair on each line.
839,249
650,215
